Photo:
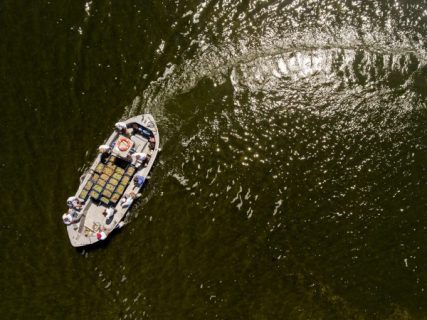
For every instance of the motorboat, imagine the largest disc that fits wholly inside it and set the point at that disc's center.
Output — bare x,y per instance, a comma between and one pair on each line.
114,180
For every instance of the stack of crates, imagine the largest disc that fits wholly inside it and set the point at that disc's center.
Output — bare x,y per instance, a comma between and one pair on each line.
108,183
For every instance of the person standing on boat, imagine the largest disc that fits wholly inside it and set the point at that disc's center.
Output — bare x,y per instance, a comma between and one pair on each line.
139,158
104,149
127,200
138,180
152,142
135,129
121,127
71,216
109,212
74,202
67,219
102,233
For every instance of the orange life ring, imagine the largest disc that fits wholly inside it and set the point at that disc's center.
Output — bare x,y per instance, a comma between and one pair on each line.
123,144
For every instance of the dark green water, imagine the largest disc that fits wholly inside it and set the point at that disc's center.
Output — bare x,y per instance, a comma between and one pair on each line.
293,178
